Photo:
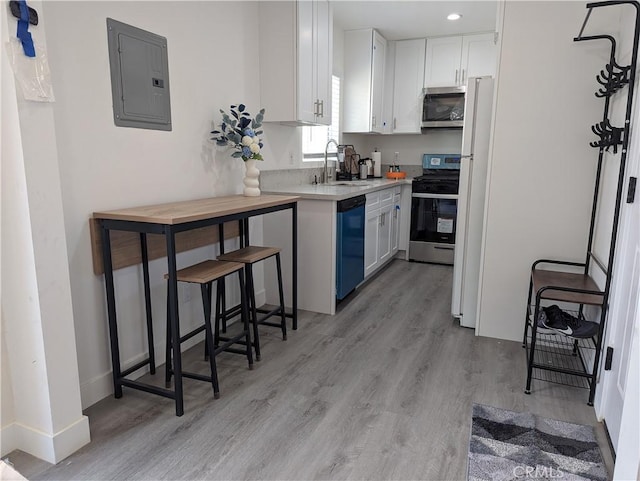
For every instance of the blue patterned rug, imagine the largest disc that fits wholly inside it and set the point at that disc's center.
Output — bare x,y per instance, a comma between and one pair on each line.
509,446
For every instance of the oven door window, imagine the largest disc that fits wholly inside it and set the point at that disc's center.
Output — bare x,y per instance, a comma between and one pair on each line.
433,220
443,107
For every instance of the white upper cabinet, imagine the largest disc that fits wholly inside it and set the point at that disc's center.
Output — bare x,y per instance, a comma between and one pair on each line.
364,68
479,56
450,61
407,86
323,50
442,61
296,52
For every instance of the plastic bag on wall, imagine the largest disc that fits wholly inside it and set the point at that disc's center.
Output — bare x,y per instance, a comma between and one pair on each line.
32,73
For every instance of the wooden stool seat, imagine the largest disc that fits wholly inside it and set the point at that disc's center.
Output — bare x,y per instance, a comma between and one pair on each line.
250,254
206,271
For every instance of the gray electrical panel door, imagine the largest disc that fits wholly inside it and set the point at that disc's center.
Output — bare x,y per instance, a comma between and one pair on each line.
139,77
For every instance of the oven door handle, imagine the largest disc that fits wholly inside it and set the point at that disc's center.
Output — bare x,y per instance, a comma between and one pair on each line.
434,196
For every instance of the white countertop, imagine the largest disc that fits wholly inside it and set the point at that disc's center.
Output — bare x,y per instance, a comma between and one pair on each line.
339,190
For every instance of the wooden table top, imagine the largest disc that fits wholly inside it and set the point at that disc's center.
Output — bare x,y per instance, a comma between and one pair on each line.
193,210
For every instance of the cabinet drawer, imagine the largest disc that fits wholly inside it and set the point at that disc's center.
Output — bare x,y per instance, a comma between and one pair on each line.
386,196
373,201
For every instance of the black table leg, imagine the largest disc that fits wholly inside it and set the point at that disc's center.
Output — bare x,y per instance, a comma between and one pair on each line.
111,311
147,301
294,262
172,292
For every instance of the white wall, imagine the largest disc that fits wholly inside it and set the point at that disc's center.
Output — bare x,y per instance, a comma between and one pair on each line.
542,171
44,415
212,64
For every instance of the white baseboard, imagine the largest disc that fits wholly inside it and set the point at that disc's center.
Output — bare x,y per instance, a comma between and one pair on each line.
7,439
51,448
96,389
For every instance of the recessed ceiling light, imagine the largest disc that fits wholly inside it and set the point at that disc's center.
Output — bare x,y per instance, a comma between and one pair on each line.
454,16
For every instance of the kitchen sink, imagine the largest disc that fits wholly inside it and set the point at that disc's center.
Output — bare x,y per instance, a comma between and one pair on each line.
353,183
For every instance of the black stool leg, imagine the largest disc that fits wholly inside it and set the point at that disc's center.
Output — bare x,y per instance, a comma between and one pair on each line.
244,316
283,319
216,337
223,297
254,314
206,305
167,364
221,290
206,344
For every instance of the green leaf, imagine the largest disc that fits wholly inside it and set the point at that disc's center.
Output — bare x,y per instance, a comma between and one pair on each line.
258,156
236,155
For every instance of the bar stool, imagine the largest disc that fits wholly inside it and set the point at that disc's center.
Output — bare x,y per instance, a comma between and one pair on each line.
205,273
248,256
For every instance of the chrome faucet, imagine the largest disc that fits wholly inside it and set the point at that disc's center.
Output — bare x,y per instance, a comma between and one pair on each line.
325,174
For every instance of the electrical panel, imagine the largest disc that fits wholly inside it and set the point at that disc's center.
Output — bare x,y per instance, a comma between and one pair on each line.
139,77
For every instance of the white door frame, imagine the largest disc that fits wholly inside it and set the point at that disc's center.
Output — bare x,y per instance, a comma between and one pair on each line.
623,301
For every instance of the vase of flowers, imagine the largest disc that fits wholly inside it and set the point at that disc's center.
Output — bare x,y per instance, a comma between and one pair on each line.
242,132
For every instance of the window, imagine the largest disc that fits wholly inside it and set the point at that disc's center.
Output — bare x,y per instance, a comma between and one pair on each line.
314,139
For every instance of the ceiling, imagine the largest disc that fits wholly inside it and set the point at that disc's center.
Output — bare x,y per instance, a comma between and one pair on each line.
401,19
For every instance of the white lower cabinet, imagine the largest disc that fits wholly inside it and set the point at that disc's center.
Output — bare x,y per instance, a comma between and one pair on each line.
395,226
371,228
381,231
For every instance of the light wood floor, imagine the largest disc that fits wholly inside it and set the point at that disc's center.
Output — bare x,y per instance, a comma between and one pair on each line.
381,391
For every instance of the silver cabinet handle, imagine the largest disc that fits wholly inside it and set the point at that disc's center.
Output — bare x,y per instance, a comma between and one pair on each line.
463,72
373,121
395,123
322,108
456,76
316,108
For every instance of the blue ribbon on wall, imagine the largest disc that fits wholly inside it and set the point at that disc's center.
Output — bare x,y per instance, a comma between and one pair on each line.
23,30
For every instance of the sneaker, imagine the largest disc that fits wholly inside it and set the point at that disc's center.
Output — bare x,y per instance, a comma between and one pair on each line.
563,322
542,324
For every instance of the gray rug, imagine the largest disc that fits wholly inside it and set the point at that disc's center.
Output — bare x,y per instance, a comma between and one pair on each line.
507,445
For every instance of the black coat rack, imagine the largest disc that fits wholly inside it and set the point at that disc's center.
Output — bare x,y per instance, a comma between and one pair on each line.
556,357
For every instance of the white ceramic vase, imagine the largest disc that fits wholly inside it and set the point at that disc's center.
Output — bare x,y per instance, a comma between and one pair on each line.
251,179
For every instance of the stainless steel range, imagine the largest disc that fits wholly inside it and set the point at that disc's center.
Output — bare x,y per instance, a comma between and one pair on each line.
434,207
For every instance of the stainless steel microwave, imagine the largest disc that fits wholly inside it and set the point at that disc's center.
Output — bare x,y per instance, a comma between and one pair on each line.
443,107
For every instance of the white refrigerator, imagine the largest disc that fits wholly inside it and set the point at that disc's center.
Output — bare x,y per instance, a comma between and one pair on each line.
471,199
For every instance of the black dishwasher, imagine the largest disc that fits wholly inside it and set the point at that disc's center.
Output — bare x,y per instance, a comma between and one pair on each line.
350,245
